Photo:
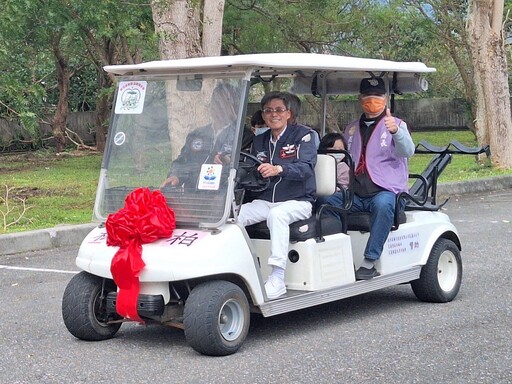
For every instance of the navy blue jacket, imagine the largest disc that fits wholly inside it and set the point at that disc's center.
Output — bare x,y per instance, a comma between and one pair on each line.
200,148
295,151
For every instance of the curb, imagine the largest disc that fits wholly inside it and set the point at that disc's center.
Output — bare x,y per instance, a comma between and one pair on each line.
43,239
497,183
72,235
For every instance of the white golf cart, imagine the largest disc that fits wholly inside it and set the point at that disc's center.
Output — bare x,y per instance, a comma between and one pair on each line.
208,276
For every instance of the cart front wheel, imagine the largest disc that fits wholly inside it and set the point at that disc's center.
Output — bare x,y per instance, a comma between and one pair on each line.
84,308
216,318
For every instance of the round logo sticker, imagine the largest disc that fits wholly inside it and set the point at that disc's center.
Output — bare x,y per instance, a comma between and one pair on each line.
119,138
131,98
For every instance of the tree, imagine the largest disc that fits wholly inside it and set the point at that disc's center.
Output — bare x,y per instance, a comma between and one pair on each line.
321,26
64,74
113,32
188,28
28,26
472,34
444,24
492,95
53,41
47,25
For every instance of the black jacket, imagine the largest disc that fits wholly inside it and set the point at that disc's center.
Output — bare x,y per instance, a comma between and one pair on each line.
295,151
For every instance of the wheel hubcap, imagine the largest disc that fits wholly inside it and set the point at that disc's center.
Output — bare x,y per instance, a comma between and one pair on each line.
447,271
231,320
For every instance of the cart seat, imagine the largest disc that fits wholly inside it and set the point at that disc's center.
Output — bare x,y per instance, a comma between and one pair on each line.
325,175
301,230
360,221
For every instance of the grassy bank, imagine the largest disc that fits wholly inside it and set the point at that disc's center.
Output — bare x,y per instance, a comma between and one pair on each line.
462,167
56,190
61,190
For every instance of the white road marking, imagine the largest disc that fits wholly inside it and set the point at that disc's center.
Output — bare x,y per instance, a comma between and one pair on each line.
36,269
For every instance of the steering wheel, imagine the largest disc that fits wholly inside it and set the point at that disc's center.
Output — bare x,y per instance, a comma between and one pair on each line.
248,176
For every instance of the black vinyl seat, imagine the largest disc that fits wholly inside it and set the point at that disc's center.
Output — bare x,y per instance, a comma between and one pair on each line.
301,230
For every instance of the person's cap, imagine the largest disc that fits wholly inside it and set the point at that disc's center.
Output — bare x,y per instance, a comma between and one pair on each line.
372,86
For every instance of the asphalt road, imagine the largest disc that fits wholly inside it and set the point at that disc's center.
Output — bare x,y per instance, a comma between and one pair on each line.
382,337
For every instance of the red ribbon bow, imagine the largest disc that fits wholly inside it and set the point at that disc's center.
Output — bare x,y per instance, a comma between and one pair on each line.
145,218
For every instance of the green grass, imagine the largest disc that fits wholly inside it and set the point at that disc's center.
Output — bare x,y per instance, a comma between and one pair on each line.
61,190
57,190
462,167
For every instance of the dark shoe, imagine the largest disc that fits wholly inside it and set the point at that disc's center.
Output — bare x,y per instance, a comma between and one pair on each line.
366,274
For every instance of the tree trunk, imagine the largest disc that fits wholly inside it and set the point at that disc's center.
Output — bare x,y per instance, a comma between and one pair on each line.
213,14
101,123
183,34
177,24
58,123
493,117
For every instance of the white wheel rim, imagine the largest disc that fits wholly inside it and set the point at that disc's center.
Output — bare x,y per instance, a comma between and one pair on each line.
447,271
231,320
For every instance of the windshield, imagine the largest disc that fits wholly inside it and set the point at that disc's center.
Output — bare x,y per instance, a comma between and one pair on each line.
179,135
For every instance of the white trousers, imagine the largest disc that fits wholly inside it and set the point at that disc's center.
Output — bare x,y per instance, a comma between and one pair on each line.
278,216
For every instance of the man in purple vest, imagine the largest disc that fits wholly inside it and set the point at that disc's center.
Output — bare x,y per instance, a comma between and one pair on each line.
380,145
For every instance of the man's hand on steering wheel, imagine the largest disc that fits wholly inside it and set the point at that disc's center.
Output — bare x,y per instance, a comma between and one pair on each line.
249,175
269,170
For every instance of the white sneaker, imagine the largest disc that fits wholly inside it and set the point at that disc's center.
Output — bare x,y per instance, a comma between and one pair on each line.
274,287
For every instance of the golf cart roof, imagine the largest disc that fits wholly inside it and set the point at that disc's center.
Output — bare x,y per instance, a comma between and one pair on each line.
318,74
270,62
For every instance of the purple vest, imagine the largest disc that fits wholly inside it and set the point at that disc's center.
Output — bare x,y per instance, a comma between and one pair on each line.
385,169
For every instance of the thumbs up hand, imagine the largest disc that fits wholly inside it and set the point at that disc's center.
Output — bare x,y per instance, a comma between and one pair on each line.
390,122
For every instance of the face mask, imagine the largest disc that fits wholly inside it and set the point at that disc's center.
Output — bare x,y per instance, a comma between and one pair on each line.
338,156
259,131
373,105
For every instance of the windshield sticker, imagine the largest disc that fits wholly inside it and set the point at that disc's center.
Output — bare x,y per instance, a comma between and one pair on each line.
130,97
209,178
119,138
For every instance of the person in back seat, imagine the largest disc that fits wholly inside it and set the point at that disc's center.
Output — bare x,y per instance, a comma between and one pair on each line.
336,141
295,107
288,156
380,145
257,128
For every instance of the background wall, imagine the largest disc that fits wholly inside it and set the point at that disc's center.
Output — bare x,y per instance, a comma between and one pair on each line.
420,115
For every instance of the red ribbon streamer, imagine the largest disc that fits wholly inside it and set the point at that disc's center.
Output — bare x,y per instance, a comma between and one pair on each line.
145,218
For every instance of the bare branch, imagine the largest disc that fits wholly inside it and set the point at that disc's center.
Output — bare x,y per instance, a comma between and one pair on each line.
8,209
78,142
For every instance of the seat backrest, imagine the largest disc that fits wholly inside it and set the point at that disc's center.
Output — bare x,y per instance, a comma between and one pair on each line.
325,174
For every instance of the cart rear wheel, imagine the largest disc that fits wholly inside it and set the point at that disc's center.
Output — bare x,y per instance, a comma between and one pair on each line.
84,308
441,276
216,318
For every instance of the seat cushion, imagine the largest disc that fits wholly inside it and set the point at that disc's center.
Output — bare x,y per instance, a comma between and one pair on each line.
301,230
360,221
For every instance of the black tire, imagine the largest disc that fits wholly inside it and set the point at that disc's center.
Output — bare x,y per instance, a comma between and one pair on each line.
216,318
83,308
441,276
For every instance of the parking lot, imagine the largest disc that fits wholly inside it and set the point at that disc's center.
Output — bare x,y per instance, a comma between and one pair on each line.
383,337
